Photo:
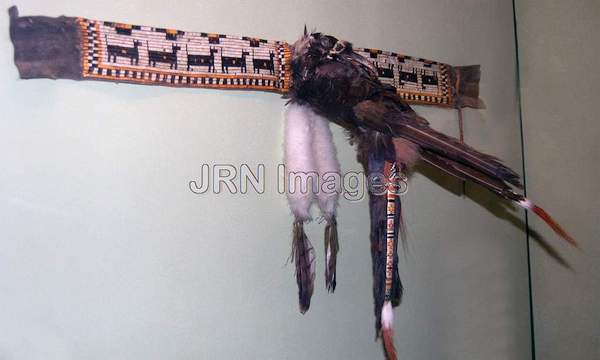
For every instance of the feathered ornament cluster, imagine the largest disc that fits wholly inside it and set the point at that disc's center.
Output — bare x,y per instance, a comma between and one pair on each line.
332,83
311,163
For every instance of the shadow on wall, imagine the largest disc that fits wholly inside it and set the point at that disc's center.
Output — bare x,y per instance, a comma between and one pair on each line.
492,203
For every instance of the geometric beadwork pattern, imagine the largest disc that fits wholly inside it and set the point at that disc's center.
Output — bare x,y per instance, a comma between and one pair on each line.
148,55
416,80
159,56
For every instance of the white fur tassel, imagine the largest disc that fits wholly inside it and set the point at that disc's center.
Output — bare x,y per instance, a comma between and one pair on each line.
299,160
387,330
312,171
328,166
310,152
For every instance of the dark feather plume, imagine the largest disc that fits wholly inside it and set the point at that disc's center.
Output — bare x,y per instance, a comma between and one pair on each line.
377,212
303,255
331,249
387,113
373,150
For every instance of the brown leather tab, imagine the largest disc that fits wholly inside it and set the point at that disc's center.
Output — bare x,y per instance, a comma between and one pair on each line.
46,47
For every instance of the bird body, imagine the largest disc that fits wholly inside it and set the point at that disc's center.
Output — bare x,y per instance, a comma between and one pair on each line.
341,85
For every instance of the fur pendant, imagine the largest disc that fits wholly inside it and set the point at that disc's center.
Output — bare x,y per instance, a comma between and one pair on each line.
310,158
300,168
312,173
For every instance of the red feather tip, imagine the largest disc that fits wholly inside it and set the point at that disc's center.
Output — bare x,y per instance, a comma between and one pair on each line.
388,344
553,224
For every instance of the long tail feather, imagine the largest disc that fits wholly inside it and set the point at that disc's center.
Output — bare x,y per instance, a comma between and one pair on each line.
373,149
377,212
376,152
495,185
452,148
387,113
303,255
464,172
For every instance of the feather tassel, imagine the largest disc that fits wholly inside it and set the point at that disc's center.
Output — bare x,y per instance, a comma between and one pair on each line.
300,179
311,160
373,161
331,249
303,255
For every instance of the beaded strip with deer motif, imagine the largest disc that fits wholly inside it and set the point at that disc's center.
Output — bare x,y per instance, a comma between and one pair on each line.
103,50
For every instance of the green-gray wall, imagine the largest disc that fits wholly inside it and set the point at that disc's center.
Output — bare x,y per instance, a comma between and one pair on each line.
559,54
106,254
